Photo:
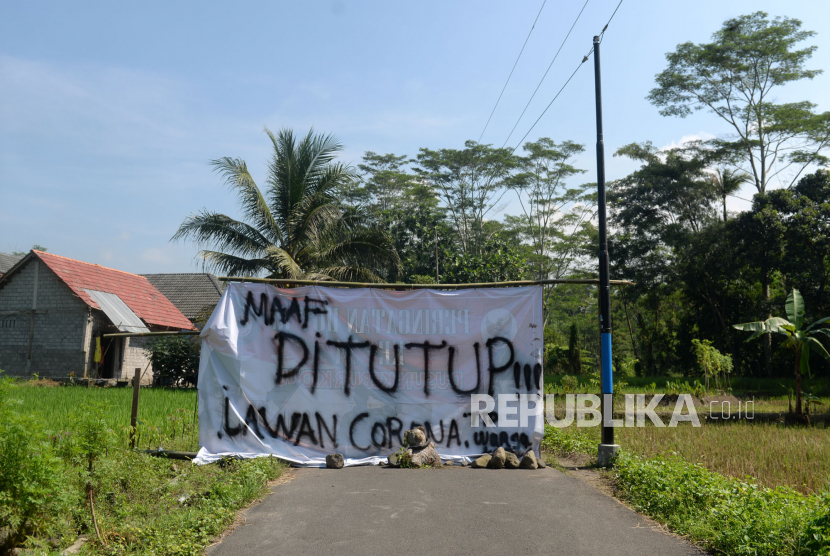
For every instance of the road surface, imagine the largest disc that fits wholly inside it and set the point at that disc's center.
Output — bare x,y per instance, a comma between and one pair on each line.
451,511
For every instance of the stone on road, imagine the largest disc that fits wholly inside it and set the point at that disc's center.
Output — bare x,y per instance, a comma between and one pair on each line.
455,510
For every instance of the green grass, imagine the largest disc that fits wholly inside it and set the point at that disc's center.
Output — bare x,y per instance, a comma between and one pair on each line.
659,474
143,504
165,415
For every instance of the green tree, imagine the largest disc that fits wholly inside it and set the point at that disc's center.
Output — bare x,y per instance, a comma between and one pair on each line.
296,229
762,232
727,182
736,77
407,208
35,247
175,360
385,181
804,212
545,199
655,213
798,338
470,182
499,261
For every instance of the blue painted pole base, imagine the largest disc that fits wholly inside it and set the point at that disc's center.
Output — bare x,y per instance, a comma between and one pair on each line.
607,372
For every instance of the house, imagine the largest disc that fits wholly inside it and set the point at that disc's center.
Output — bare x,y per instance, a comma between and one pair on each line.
194,294
7,261
53,310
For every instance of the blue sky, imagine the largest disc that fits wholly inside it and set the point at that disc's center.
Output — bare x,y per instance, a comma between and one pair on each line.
110,112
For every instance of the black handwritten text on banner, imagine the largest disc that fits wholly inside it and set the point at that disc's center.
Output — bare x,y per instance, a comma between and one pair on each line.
301,373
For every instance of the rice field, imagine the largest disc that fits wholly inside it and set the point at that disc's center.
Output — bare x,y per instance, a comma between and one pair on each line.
771,454
774,455
166,416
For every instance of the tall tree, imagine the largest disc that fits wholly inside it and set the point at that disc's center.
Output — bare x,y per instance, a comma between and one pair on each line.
736,77
470,183
554,216
552,212
385,179
727,182
805,214
655,211
295,229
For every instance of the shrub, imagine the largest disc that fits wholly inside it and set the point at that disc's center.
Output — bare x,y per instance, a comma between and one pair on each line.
175,360
710,361
569,383
34,499
556,359
816,538
724,514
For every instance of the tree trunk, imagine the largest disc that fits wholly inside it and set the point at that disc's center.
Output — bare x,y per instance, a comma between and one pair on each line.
631,332
798,382
724,208
767,337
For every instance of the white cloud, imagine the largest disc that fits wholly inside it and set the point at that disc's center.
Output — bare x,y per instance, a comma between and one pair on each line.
699,136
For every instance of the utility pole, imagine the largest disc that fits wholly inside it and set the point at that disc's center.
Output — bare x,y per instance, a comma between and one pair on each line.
607,449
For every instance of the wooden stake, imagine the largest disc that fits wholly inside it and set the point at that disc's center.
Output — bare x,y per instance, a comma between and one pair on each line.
134,412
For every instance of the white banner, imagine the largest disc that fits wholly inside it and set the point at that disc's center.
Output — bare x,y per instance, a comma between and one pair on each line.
301,373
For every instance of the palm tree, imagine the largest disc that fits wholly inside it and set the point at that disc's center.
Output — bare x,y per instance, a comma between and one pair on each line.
726,183
295,230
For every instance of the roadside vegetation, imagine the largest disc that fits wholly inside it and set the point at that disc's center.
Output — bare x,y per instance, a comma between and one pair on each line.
66,470
721,485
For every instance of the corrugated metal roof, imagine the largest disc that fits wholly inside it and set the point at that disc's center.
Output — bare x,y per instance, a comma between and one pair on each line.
117,311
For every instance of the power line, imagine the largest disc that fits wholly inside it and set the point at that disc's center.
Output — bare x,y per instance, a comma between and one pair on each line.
584,59
609,20
511,71
546,73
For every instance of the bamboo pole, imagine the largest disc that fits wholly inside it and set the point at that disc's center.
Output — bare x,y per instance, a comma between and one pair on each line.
334,284
142,334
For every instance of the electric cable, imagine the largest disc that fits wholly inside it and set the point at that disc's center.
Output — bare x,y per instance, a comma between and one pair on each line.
511,71
584,59
546,73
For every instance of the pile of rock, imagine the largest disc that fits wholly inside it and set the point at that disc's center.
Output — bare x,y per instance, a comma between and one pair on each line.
419,452
502,459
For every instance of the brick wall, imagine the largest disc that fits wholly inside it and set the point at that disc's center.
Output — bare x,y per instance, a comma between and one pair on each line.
137,356
60,325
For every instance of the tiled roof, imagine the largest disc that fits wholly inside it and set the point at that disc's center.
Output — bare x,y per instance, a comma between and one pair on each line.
7,261
134,290
190,292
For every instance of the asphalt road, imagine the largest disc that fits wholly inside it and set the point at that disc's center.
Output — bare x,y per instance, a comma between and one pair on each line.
451,511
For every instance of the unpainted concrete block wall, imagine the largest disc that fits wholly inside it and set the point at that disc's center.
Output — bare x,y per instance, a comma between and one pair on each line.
137,356
59,325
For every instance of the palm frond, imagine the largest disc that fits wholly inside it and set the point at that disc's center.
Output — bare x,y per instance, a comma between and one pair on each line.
223,232
315,224
254,205
282,264
223,263
365,247
352,274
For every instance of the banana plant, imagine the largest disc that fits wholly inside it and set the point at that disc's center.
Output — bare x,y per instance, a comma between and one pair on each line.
799,339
